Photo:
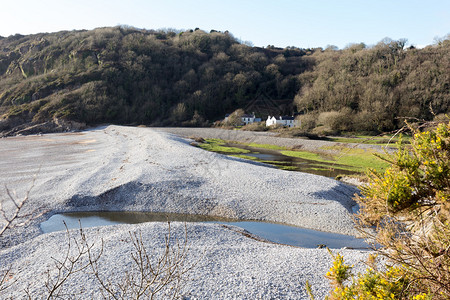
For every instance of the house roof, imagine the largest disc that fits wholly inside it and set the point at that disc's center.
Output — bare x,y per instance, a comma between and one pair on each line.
282,117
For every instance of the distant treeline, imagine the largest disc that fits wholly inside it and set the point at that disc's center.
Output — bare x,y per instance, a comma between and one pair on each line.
374,89
125,75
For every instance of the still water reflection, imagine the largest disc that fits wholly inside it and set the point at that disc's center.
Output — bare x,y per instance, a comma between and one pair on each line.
277,233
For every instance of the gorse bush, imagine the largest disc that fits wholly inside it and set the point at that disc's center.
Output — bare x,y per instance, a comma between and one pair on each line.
373,284
409,205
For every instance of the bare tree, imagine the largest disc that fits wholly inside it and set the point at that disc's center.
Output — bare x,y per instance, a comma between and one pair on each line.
12,219
71,263
152,274
15,218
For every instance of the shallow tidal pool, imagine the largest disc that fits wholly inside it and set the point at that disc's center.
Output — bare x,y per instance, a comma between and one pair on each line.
276,233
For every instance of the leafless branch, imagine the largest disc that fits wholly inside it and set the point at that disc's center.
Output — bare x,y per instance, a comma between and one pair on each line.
11,220
4,278
70,264
152,274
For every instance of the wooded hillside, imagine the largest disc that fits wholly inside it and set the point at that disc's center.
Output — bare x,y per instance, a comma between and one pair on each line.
374,89
125,75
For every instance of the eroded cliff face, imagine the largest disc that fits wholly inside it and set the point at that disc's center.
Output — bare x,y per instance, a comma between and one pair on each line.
20,126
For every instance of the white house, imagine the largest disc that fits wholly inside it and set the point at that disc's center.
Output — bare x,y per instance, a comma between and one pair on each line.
249,119
246,119
282,121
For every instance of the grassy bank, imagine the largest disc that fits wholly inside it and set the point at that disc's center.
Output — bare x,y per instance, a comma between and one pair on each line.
266,146
387,141
217,145
339,157
347,158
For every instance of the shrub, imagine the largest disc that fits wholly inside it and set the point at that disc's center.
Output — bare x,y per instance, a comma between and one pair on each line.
333,122
150,272
373,284
234,119
409,205
365,121
308,121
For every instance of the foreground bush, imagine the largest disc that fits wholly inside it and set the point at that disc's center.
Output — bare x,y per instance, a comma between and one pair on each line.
409,205
389,283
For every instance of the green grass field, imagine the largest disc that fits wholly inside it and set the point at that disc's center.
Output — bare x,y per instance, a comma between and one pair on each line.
350,159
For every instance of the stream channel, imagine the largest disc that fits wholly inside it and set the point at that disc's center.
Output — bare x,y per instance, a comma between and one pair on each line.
277,233
275,158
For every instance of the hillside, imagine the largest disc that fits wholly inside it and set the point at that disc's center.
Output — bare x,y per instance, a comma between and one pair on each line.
124,75
374,89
